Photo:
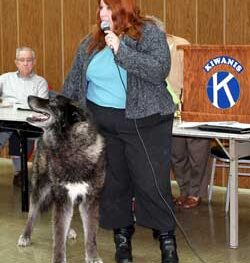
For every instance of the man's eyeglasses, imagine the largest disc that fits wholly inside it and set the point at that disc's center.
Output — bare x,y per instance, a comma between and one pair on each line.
22,60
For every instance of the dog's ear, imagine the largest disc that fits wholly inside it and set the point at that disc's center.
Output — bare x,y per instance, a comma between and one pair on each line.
77,113
62,100
73,111
77,116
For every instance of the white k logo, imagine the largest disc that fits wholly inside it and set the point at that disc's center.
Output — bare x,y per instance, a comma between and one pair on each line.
222,85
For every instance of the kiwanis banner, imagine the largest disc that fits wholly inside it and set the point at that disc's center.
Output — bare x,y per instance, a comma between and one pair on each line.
216,83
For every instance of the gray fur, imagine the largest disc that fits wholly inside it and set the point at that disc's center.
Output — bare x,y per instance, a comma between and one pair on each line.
68,170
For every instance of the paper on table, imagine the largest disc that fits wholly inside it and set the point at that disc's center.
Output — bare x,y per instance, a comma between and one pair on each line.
230,124
5,104
190,124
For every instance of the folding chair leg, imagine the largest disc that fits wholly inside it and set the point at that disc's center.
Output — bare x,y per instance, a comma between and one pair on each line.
210,189
227,196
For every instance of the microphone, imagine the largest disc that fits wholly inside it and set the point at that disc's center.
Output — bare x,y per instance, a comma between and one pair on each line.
105,26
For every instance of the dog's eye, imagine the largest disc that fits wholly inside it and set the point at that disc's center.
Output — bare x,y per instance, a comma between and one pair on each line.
53,103
76,116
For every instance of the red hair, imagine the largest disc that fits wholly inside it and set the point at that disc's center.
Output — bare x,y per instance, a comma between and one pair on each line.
126,20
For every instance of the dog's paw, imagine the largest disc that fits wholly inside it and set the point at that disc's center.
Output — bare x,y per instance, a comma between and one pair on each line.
93,260
23,241
72,234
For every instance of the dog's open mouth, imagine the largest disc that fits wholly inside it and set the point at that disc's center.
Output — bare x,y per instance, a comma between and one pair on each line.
42,116
38,117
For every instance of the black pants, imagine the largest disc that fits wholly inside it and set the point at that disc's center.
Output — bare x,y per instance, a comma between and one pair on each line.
189,160
14,145
129,173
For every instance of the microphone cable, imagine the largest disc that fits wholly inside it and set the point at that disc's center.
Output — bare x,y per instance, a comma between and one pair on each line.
183,232
164,200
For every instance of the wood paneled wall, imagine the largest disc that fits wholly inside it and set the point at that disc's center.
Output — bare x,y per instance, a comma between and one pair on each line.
54,28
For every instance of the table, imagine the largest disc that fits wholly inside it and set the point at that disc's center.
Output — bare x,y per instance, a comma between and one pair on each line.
239,146
12,119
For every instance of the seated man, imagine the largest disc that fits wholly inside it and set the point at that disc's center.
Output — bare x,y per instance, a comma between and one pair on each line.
16,87
189,159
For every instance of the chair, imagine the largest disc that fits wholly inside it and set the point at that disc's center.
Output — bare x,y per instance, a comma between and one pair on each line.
218,154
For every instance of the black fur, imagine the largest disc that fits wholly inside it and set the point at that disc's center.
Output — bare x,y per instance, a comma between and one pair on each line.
68,169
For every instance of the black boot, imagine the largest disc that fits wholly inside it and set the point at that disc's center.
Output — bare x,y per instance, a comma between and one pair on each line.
168,247
122,238
155,233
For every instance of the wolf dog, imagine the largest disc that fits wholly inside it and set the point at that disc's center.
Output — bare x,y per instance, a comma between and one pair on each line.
68,170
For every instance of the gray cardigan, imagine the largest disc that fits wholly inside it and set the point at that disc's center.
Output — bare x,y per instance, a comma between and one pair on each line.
147,62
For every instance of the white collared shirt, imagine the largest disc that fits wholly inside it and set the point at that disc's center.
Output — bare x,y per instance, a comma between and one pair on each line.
16,89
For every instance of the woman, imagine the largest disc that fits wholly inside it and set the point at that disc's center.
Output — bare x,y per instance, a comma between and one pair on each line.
119,75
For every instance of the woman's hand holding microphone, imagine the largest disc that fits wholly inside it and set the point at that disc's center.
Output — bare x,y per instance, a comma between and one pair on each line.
112,40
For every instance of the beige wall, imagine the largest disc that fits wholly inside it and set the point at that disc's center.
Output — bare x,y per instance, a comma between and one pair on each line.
55,27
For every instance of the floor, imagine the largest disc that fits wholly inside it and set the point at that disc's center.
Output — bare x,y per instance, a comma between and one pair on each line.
205,226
